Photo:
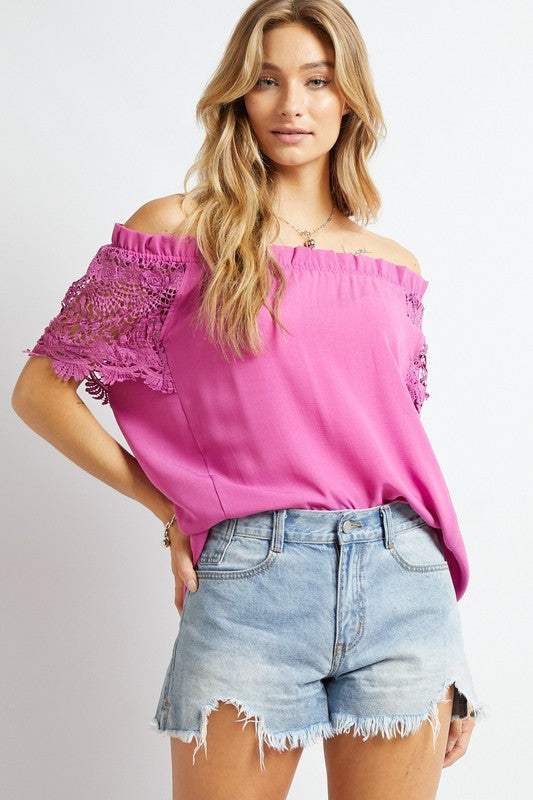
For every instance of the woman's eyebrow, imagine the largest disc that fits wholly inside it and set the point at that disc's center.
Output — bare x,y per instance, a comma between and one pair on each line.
309,65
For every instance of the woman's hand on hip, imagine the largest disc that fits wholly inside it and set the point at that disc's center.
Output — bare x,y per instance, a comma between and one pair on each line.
182,564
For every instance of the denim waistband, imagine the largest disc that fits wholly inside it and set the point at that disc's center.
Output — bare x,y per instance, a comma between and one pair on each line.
321,526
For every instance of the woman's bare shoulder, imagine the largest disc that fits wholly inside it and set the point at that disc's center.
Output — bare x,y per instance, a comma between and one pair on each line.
395,252
362,240
160,215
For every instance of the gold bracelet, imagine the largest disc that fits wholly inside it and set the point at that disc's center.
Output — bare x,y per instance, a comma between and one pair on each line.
166,540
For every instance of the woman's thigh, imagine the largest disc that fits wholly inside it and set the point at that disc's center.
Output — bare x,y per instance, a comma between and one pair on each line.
406,768
232,770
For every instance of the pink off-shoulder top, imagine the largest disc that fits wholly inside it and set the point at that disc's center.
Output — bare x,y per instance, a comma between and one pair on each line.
327,417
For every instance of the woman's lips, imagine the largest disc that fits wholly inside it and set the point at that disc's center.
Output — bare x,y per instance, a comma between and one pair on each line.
290,138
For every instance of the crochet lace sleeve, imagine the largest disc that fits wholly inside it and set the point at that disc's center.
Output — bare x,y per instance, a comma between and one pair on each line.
111,320
416,378
417,373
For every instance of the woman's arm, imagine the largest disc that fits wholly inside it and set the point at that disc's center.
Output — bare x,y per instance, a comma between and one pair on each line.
51,406
53,409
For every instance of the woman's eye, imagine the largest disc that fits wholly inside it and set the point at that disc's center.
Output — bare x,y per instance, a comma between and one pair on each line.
322,81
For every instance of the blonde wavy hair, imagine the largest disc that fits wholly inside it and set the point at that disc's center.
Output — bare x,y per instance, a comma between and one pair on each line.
229,210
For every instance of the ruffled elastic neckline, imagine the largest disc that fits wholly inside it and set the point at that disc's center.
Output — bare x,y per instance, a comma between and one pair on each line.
156,244
298,257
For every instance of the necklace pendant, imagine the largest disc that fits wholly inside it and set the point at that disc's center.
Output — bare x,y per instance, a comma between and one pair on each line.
310,242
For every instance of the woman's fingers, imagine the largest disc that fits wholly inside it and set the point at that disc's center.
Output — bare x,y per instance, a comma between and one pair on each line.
183,569
458,739
178,595
182,564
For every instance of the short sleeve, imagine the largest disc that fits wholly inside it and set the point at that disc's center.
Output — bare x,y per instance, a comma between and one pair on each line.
110,324
417,372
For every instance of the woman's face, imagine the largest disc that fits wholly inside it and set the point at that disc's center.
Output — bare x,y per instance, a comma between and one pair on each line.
290,93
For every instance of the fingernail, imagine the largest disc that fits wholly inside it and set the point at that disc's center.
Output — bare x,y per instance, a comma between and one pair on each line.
191,584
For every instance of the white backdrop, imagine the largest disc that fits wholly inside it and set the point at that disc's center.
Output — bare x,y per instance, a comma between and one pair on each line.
99,103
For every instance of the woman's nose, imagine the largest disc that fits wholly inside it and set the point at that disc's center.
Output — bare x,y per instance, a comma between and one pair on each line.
291,100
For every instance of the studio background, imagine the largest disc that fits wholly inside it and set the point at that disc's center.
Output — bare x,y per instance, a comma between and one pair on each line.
99,105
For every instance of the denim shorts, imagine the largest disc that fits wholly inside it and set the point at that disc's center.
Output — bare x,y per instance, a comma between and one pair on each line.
312,622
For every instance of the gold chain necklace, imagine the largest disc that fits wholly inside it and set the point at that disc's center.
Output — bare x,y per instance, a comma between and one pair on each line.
308,235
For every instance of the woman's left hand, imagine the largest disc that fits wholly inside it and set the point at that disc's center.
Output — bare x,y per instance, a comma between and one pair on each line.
458,739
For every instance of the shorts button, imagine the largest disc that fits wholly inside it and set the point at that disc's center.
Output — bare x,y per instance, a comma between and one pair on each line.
347,526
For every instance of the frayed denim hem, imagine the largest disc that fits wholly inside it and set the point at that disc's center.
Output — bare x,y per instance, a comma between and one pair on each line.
279,741
388,725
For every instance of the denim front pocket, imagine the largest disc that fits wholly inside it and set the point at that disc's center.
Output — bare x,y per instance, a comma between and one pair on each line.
218,538
233,551
419,549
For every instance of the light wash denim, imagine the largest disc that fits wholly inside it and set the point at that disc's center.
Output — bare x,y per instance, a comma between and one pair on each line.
312,622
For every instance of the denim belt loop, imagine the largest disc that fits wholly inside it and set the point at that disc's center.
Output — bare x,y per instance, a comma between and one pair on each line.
388,525
278,530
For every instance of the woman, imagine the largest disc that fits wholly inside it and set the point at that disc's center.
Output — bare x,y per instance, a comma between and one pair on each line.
263,354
